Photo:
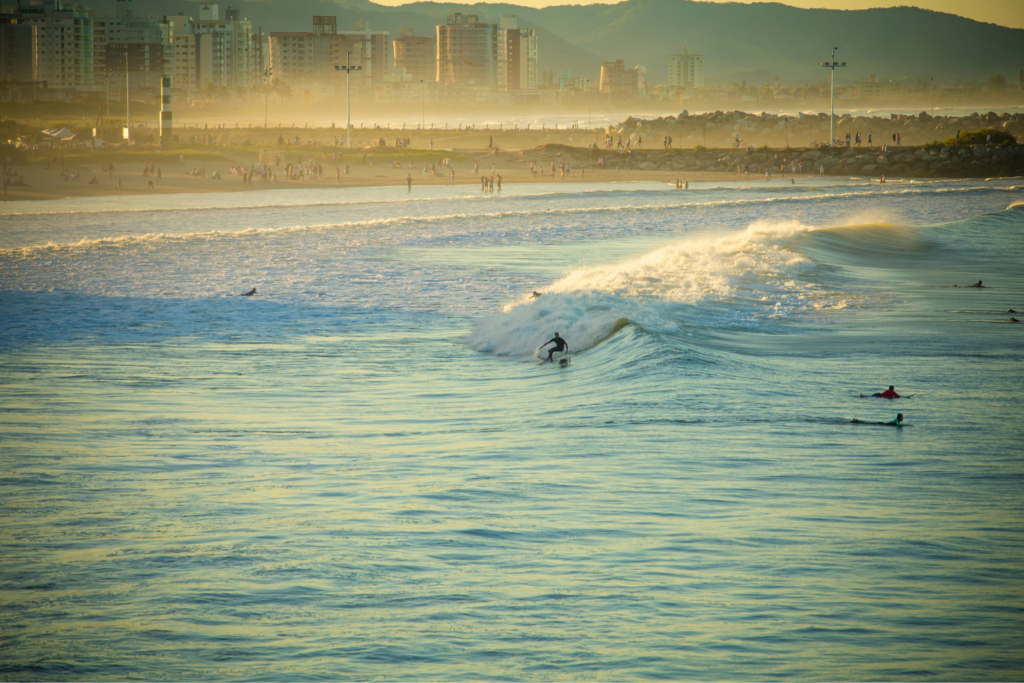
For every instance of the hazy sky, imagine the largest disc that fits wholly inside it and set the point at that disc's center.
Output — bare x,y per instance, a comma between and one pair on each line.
1004,12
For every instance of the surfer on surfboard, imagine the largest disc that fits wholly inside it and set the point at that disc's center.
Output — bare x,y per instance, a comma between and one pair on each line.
898,422
889,393
559,345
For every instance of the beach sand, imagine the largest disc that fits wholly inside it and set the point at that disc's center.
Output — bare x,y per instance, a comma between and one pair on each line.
43,183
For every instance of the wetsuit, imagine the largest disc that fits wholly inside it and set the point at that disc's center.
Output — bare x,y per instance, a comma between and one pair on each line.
559,345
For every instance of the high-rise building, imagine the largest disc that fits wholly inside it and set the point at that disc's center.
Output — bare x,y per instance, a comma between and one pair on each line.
64,43
416,54
686,70
258,61
223,48
620,83
308,58
214,49
517,57
466,51
128,43
371,50
18,50
614,81
181,56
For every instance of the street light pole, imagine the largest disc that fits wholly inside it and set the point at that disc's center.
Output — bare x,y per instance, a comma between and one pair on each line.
423,101
832,96
127,97
266,95
590,107
348,69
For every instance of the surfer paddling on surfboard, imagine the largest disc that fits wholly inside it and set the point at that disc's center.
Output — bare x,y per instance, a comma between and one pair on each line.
898,422
889,393
559,346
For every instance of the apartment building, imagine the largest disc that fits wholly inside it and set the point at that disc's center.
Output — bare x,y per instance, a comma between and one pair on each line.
63,45
134,44
466,51
309,58
619,83
18,50
516,67
416,54
223,47
686,70
181,55
371,50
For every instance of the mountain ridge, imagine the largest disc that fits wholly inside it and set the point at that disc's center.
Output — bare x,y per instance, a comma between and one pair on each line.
735,38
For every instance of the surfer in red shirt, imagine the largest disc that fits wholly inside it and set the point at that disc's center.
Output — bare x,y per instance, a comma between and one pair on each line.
889,393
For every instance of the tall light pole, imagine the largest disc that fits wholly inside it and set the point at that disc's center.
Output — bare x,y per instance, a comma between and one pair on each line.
423,101
267,73
590,107
832,96
348,69
127,98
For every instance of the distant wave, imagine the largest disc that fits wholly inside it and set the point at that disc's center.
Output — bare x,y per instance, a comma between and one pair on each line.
866,190
125,240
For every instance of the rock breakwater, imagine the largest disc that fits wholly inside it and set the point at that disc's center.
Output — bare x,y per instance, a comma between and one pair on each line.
931,161
720,129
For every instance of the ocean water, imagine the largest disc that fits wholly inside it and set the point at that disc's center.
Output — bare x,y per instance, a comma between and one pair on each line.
364,471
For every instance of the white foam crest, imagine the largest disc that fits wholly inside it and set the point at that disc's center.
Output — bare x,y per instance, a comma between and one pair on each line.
398,220
740,278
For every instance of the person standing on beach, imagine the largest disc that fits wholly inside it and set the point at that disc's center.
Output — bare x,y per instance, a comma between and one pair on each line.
408,181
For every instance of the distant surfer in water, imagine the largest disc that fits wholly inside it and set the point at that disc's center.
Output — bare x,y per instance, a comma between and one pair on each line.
888,393
979,285
250,292
898,422
559,345
535,295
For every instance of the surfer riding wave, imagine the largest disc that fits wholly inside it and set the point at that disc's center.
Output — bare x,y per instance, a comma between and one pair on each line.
559,345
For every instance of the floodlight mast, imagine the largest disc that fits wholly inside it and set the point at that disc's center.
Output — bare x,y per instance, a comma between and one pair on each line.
832,96
348,69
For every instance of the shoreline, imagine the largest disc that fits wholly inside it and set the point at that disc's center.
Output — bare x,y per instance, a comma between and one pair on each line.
42,185
46,180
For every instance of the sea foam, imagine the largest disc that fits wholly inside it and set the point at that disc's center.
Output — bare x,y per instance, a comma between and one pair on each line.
736,280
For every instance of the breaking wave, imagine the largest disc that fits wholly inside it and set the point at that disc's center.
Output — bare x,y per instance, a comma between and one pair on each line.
741,281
